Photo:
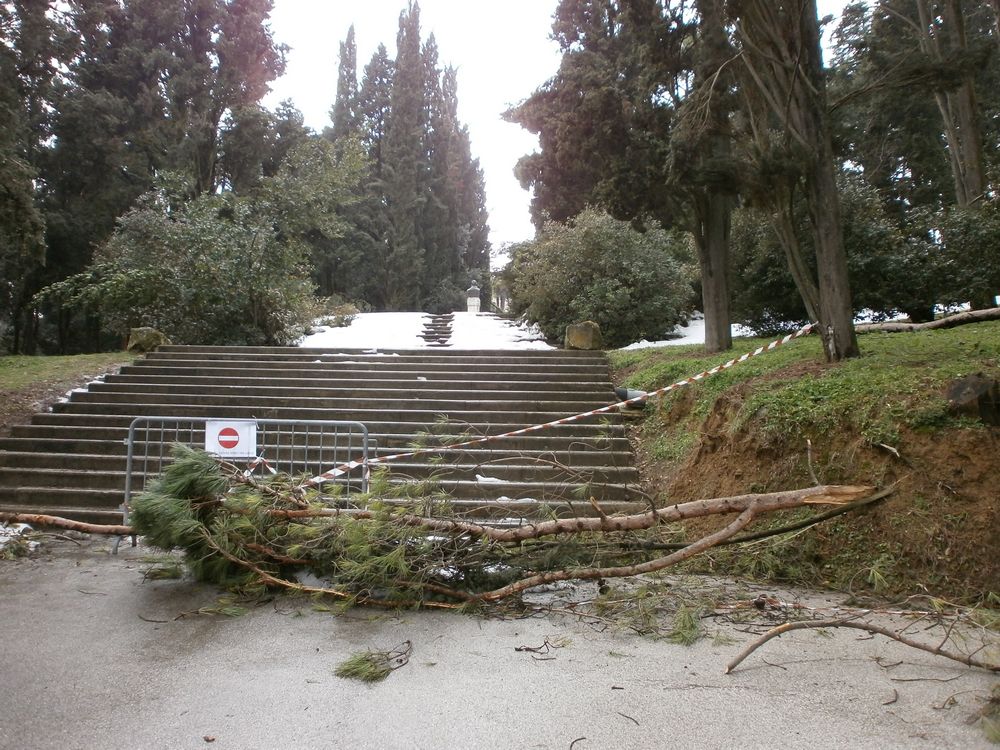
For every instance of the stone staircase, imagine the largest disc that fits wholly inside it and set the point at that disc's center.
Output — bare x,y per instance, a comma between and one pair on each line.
71,461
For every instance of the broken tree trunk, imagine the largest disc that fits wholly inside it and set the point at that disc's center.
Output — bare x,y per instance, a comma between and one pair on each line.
952,321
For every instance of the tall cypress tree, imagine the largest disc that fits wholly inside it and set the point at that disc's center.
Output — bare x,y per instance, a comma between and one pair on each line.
404,167
421,225
369,216
345,115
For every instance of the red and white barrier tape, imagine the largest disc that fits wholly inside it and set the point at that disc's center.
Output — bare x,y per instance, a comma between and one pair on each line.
345,468
259,461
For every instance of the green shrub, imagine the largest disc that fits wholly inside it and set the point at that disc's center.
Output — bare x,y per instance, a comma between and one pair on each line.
633,284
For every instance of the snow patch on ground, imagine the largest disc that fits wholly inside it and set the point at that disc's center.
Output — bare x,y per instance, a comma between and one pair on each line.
485,331
10,533
377,331
373,332
692,332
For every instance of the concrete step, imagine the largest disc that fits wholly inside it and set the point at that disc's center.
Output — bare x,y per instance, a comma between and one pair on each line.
385,364
318,370
297,461
111,440
509,355
312,397
73,458
412,419
86,499
435,383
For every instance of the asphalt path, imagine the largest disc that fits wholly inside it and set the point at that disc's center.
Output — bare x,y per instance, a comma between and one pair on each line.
94,656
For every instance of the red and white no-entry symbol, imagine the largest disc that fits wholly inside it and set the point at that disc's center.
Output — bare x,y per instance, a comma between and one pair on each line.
232,438
229,437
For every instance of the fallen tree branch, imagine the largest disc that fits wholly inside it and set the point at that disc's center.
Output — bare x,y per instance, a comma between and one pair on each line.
301,588
852,622
841,495
739,523
767,533
39,519
959,319
763,502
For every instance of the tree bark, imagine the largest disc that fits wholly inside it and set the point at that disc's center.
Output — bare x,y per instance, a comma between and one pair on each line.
967,659
836,312
959,108
784,227
713,258
952,321
714,208
39,519
784,63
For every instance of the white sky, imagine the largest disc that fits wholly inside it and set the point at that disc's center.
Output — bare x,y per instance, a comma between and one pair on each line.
502,52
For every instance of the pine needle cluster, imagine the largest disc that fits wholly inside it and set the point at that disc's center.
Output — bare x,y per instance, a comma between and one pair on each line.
232,529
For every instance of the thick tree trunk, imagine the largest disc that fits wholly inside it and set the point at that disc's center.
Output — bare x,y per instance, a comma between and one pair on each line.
784,227
714,206
967,108
713,258
786,85
959,108
836,312
952,321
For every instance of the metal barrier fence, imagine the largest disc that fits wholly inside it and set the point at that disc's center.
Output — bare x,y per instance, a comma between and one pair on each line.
262,446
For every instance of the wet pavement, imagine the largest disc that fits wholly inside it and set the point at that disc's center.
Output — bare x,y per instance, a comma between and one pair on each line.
94,656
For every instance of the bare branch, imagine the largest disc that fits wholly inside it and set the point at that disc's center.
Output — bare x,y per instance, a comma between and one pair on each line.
867,627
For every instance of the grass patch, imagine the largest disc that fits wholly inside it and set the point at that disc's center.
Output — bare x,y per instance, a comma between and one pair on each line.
897,383
878,419
17,372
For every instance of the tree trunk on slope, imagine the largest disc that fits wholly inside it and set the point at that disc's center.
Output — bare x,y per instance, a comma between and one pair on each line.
712,240
836,312
783,59
714,208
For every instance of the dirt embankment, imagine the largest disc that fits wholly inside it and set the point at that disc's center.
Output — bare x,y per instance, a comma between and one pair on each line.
938,533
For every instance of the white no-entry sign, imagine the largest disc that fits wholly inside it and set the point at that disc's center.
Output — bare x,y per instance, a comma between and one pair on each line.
231,438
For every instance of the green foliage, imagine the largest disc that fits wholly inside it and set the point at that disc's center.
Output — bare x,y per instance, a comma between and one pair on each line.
366,666
883,275
633,284
604,119
220,269
175,511
374,666
686,628
898,383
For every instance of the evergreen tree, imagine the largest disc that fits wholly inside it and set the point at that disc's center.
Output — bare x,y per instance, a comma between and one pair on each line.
345,115
143,88
22,247
405,167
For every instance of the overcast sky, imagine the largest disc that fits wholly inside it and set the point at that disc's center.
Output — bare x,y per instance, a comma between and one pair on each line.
502,52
